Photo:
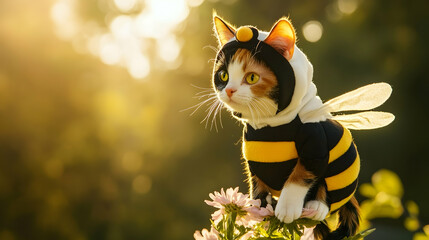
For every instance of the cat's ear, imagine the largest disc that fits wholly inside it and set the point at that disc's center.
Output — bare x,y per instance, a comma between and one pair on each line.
224,31
282,38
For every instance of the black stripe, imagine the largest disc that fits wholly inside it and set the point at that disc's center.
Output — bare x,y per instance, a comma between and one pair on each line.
285,132
340,194
273,174
334,131
342,163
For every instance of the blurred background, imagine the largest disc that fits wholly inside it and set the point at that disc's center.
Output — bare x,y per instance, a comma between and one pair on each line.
93,143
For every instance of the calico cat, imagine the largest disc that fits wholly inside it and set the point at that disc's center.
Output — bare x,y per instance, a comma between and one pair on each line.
295,151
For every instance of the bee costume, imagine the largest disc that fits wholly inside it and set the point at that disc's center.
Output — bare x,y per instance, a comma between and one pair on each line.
303,127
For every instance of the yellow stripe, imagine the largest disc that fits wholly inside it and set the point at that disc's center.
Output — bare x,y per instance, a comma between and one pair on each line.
345,178
342,146
337,205
269,151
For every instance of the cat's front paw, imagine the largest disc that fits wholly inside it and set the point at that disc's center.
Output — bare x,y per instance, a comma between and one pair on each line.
288,211
321,209
290,203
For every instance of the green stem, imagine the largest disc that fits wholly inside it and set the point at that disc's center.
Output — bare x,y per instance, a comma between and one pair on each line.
230,226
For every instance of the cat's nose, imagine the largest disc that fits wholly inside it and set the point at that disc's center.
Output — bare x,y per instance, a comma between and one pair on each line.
230,91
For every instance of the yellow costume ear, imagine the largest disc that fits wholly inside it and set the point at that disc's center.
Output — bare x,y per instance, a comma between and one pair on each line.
282,38
224,31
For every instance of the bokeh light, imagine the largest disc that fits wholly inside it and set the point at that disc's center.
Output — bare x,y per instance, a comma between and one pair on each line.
126,38
312,31
347,6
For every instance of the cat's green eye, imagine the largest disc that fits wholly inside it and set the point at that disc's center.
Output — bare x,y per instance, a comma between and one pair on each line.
252,78
223,75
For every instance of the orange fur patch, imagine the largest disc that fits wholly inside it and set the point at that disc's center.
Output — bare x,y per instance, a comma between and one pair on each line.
321,193
351,218
300,174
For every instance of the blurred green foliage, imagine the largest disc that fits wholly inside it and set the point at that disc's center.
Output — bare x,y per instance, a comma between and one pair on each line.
384,201
88,152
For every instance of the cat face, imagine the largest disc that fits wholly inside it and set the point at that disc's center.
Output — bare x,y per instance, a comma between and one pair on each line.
248,68
246,85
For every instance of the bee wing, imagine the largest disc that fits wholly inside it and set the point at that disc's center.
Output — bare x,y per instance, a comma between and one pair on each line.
361,99
365,120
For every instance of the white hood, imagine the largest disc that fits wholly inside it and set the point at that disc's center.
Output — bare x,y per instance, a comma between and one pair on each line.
304,100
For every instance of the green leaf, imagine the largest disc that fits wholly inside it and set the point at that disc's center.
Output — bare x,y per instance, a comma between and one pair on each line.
306,222
360,235
269,238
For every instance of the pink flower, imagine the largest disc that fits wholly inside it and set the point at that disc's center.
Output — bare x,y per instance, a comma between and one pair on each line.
231,196
264,212
206,235
248,210
308,213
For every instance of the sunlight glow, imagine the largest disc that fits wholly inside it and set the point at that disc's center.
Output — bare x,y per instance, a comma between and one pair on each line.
138,66
128,39
347,6
109,52
62,13
195,3
122,27
125,5
168,49
312,31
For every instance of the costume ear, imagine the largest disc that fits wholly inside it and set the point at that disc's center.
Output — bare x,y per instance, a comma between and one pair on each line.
224,31
282,38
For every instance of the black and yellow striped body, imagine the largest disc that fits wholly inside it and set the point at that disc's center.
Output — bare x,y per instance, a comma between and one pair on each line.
325,148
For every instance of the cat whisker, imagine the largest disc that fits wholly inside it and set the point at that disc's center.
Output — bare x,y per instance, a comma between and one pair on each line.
209,111
260,112
217,110
203,88
198,105
255,105
215,49
220,114
251,112
262,106
203,95
267,104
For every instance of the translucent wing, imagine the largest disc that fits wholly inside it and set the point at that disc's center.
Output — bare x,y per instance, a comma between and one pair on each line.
363,98
365,120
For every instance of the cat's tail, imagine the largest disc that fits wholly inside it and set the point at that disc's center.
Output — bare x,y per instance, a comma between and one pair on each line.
348,223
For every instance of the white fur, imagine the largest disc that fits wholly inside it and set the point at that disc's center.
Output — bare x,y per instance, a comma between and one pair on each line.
321,208
290,203
304,100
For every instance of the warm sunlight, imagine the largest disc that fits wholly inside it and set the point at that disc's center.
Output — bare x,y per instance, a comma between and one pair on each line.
113,119
130,32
